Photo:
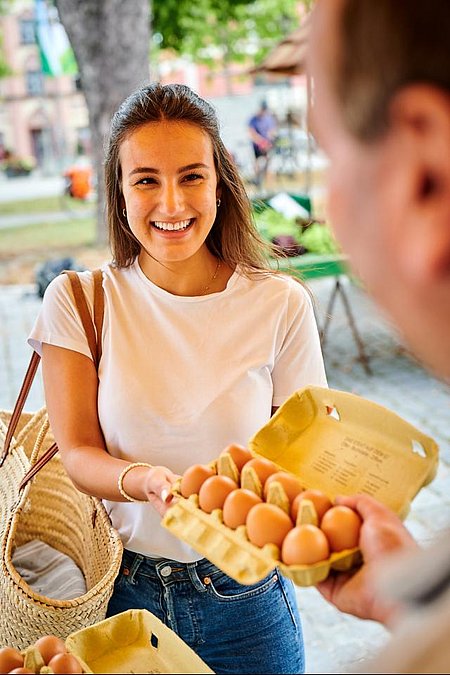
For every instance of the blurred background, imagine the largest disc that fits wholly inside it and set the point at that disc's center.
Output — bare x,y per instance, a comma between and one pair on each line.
64,68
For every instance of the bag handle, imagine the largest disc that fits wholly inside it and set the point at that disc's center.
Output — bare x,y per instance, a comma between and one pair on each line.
92,329
93,335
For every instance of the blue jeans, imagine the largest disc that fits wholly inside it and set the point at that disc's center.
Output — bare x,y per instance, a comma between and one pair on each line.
233,628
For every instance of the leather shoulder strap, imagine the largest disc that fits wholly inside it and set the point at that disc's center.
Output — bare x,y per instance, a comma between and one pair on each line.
99,310
19,405
83,311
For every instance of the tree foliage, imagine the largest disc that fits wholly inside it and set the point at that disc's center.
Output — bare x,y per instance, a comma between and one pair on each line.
4,67
214,31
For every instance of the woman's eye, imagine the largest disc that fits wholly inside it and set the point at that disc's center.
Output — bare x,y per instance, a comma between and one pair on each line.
192,176
146,181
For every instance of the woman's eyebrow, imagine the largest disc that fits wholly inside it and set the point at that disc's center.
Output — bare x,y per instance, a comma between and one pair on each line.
149,169
143,169
196,165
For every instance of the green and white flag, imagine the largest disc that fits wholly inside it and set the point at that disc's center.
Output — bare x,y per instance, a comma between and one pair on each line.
57,57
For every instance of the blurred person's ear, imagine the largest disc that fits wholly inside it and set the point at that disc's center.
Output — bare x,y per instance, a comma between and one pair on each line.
420,123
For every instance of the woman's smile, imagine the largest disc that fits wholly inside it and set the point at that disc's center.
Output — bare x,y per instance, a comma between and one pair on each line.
172,228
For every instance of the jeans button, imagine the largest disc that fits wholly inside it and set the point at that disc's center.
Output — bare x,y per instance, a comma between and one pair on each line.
166,571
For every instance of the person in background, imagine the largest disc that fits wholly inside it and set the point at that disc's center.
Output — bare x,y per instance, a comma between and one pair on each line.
262,129
202,341
381,112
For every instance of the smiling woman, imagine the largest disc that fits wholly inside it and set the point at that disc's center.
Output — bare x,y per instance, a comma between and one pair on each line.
201,340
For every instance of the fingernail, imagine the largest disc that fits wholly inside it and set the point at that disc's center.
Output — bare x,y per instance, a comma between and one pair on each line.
164,494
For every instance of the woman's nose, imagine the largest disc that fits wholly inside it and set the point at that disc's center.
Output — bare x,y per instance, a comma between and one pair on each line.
171,200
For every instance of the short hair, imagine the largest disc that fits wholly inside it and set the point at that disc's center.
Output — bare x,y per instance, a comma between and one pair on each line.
385,45
233,237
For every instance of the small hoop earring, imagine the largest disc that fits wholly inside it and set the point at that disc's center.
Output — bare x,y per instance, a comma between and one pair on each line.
218,203
124,213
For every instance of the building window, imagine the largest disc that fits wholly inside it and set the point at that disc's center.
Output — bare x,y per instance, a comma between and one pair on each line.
34,82
27,32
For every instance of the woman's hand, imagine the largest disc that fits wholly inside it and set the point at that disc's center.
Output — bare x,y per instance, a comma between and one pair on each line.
153,484
382,533
157,487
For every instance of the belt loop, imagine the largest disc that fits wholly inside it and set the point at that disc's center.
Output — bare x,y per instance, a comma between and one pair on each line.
197,582
134,568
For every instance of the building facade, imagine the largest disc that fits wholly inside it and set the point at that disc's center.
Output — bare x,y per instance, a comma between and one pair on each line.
44,119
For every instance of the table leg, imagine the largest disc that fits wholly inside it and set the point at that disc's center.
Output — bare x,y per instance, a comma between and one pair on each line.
338,289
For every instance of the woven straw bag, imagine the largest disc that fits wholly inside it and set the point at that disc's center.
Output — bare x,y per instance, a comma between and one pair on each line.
39,501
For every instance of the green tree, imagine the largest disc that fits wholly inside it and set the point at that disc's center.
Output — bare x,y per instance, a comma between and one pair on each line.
221,32
4,66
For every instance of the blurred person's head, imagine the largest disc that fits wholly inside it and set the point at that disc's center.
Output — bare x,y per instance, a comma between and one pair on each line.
381,111
153,118
264,110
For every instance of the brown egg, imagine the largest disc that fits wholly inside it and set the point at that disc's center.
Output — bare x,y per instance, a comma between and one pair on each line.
237,505
22,669
239,454
290,483
49,646
263,468
341,526
10,658
304,545
193,478
267,524
214,491
318,498
65,663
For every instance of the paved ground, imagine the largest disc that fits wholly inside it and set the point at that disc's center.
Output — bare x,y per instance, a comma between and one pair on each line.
30,187
334,642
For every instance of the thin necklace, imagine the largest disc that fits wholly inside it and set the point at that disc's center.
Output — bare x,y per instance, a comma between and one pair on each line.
213,278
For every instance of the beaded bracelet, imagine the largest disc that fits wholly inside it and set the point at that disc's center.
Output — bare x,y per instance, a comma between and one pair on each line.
122,476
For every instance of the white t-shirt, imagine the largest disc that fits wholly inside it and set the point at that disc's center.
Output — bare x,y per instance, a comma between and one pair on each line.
182,377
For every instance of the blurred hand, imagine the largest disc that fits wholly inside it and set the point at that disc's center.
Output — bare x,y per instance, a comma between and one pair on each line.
157,487
382,534
264,144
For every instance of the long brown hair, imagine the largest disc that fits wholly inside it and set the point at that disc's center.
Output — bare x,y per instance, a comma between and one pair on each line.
233,238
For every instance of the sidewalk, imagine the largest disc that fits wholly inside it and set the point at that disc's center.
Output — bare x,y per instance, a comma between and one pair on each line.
29,187
334,642
24,220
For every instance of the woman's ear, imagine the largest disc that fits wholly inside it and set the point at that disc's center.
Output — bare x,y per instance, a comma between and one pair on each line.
421,117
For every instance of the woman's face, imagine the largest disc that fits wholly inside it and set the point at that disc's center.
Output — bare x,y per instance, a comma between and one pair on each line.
169,187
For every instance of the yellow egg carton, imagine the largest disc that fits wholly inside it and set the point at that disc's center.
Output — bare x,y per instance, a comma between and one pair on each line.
332,441
134,641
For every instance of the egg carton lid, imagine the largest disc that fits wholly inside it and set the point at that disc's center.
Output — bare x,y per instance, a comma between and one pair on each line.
341,443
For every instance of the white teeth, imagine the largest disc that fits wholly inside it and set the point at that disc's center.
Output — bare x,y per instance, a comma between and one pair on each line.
162,225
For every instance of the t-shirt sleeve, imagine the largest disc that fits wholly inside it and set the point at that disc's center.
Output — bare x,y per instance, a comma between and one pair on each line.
58,322
299,362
